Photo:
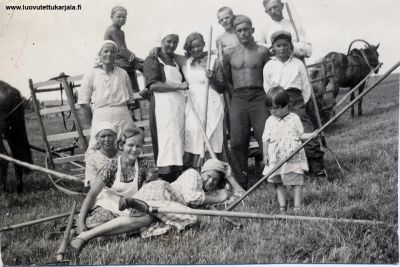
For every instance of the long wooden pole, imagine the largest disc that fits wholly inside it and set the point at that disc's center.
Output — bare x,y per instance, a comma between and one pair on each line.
260,216
313,98
39,168
82,139
231,180
234,204
207,90
65,238
37,221
203,132
41,125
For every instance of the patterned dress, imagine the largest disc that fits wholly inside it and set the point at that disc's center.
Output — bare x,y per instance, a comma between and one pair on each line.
186,191
109,174
283,135
95,160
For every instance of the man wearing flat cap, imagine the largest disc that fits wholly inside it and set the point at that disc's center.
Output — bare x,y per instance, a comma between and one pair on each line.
243,69
301,46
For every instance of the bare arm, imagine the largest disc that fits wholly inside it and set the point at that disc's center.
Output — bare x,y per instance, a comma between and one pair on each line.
232,181
96,186
161,87
216,197
85,115
306,136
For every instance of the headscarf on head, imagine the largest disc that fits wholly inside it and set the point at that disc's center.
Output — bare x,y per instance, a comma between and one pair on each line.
239,19
103,125
188,42
97,62
117,8
215,165
163,34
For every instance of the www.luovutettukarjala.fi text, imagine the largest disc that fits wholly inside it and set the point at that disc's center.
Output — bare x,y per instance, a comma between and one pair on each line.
44,7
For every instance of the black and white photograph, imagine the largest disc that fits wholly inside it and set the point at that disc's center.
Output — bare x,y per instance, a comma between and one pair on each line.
187,132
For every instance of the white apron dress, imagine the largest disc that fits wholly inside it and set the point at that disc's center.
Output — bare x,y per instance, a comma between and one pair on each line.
194,142
110,200
170,120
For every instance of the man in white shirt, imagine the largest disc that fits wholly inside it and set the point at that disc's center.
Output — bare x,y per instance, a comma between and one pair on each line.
301,46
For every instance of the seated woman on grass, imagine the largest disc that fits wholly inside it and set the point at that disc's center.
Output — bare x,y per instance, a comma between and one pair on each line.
190,189
99,215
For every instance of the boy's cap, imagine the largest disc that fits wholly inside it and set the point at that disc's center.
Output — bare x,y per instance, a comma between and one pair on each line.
239,19
281,35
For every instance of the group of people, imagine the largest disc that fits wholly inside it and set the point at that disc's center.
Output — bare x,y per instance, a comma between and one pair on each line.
114,169
268,91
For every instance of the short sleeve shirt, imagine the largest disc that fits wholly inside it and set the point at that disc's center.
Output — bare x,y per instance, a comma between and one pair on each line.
106,89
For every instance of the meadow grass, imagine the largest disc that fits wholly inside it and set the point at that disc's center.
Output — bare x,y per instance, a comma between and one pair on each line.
367,148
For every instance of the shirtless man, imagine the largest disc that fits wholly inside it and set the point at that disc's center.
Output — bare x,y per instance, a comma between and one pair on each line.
243,69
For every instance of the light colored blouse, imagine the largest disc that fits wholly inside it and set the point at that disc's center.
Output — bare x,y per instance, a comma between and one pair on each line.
289,74
106,89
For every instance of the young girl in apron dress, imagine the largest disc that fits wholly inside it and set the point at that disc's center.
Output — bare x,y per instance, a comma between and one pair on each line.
195,73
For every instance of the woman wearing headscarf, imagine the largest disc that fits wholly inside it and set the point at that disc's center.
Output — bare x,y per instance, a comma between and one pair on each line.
99,214
165,81
192,189
105,92
196,74
104,151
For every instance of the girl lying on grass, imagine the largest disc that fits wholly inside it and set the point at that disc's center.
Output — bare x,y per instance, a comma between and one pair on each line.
282,136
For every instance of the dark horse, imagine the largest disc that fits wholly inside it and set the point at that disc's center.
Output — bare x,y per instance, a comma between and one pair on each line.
350,69
12,128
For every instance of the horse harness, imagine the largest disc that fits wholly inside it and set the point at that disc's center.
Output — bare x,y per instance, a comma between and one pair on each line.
362,58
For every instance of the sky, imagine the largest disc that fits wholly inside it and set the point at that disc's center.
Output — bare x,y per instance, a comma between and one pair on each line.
40,44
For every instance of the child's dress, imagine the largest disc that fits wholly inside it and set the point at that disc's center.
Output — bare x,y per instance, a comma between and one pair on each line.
283,135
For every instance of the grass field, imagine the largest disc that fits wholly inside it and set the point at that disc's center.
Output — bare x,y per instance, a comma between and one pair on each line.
367,148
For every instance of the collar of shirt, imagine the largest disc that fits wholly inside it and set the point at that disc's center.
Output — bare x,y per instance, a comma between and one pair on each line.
283,63
102,71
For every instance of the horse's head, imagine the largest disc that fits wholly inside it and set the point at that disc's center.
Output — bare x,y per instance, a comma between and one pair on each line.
371,52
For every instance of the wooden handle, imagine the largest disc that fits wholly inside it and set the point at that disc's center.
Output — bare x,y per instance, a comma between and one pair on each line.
65,239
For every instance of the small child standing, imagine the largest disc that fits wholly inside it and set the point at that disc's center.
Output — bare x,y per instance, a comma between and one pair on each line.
282,136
